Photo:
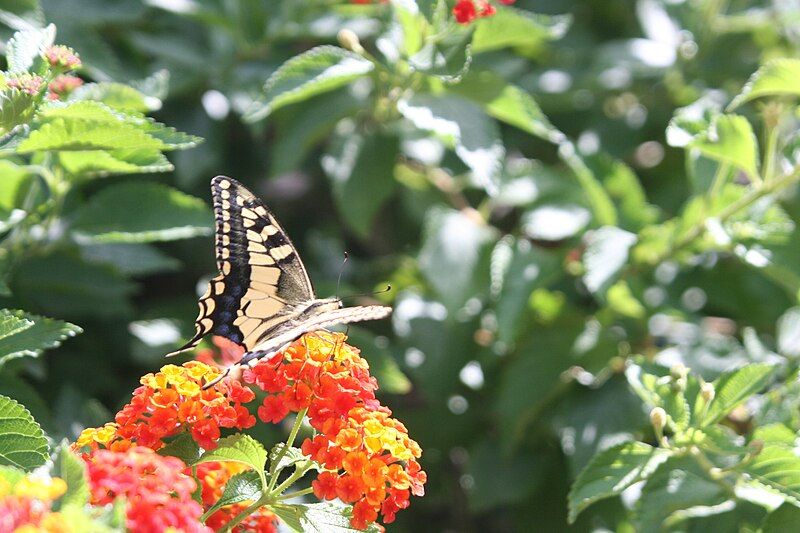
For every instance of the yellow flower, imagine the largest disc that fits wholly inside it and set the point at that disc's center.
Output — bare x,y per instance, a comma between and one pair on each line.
189,389
373,428
40,488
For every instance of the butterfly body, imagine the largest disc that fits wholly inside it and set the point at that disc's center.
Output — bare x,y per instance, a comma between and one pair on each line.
262,298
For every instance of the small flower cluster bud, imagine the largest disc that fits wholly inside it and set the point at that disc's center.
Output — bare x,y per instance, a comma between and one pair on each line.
678,373
658,418
349,40
62,86
27,83
707,392
62,57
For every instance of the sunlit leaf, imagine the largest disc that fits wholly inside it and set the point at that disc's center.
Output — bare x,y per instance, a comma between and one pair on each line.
778,77
22,441
730,139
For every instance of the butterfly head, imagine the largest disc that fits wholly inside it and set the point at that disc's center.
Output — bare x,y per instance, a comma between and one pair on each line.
326,304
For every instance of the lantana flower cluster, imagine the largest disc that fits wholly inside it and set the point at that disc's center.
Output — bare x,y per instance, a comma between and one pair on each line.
172,401
368,458
156,489
25,506
465,11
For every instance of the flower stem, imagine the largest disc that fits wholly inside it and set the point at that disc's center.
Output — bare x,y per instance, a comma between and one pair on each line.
273,477
294,494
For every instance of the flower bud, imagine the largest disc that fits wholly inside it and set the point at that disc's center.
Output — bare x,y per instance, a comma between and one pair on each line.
62,57
678,371
349,40
707,392
658,417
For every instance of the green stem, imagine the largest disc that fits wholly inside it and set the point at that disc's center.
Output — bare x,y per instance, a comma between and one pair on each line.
244,514
298,473
728,211
294,494
298,421
713,473
769,153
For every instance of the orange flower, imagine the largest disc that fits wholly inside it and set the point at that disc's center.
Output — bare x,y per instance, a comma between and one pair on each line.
349,489
172,401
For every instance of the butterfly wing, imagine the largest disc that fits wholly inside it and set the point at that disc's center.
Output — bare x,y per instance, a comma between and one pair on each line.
291,331
260,272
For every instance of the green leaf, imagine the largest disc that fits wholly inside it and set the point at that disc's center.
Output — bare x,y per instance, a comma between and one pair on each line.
782,520
465,127
60,284
243,487
517,269
239,448
22,441
141,212
554,222
511,27
779,77
407,15
507,103
676,485
778,467
117,96
16,107
453,244
362,171
64,134
29,335
314,72
72,470
732,388
447,59
183,447
26,46
292,457
612,471
605,256
99,163
132,259
730,139
325,517
789,333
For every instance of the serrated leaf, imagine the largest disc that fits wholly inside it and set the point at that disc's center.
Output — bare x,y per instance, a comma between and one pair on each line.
26,46
676,485
16,108
291,457
243,487
64,134
778,77
612,471
183,447
732,388
72,470
778,467
239,448
42,333
117,96
99,163
605,256
511,27
22,441
464,126
314,72
325,517
719,439
141,212
11,324
507,103
730,139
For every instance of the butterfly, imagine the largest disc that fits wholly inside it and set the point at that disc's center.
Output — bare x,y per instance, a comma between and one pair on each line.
262,298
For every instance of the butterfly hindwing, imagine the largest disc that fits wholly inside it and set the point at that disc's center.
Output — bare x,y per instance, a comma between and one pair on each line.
260,272
291,331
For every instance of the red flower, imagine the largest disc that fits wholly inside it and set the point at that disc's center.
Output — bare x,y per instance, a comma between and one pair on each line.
273,409
325,486
157,493
464,11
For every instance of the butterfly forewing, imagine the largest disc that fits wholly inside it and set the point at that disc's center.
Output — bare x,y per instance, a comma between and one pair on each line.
260,272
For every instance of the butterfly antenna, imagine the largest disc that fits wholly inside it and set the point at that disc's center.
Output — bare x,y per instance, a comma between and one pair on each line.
341,270
387,289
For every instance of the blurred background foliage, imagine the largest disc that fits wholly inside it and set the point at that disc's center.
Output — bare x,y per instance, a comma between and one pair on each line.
527,264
